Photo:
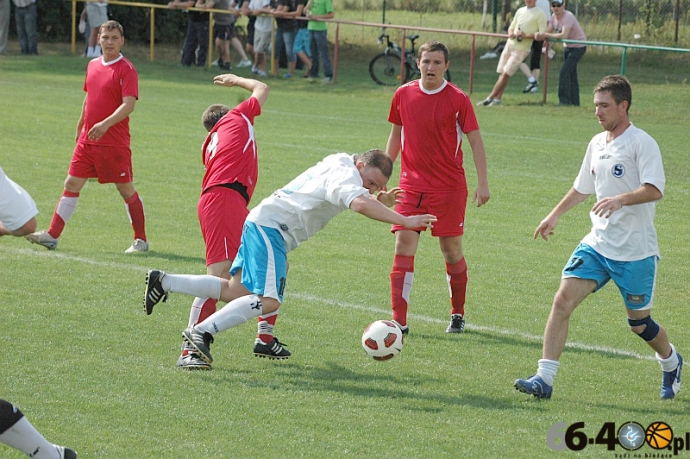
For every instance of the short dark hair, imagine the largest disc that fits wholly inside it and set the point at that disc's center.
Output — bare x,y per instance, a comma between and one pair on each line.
111,25
618,86
432,47
380,160
213,114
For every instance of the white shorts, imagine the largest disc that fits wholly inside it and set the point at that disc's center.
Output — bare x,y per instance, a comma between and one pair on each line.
16,205
261,41
97,14
510,60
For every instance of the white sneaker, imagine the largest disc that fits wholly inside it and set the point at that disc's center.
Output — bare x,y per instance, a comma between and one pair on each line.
485,102
261,73
495,103
244,63
42,238
215,63
139,245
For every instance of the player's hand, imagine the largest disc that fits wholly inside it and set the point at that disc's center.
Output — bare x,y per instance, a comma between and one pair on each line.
390,197
546,227
607,206
97,131
227,79
419,221
481,195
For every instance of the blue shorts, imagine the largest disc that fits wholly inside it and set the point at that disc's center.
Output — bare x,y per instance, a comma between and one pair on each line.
635,279
302,42
263,261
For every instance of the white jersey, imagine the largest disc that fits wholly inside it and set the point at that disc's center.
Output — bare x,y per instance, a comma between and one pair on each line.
621,166
305,205
16,205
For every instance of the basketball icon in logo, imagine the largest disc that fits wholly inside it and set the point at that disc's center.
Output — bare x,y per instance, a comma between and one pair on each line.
659,435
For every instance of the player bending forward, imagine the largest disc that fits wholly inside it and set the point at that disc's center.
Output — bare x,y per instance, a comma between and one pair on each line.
279,224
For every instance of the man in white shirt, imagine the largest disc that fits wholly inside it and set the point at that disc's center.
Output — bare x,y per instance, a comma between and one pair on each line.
279,224
623,168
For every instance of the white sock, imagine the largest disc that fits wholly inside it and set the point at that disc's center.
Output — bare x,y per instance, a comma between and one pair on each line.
670,363
195,312
234,313
204,286
24,437
89,52
532,79
547,370
97,51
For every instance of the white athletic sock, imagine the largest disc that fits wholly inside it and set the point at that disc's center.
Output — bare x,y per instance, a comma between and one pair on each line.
89,52
66,206
204,286
97,51
24,437
532,79
233,314
547,370
195,312
670,363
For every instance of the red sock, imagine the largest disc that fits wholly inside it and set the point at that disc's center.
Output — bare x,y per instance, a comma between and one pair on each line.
402,276
457,281
63,211
266,325
135,209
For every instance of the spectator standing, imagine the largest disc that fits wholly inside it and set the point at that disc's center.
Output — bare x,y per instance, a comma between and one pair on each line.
563,24
195,48
97,14
302,47
533,71
4,24
622,167
317,11
262,33
103,139
251,22
527,22
26,17
285,13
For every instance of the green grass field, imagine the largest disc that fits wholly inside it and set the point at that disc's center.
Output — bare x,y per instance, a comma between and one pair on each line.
92,371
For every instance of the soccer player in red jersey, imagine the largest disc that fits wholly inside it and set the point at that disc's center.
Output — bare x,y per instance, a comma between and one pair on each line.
429,116
229,154
103,141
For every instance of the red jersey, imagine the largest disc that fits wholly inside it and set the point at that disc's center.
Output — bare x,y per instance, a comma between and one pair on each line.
106,85
229,152
432,127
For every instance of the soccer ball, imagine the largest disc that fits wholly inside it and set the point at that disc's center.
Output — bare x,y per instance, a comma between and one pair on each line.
382,340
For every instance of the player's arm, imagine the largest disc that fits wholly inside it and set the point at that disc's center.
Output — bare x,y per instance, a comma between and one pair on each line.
258,89
375,210
80,123
644,194
394,142
570,200
481,194
99,129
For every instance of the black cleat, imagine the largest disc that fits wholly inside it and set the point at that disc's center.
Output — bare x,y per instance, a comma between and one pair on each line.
154,290
272,350
201,341
457,324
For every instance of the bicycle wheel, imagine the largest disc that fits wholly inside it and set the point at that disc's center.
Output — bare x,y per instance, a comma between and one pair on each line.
385,69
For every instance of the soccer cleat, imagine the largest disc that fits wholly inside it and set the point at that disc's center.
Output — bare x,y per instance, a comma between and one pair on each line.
139,245
405,329
534,385
65,453
484,102
201,341
244,63
42,238
531,87
272,350
457,324
534,90
192,361
670,381
154,290
495,103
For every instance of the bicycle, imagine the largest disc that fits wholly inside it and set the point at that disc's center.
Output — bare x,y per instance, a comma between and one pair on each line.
385,67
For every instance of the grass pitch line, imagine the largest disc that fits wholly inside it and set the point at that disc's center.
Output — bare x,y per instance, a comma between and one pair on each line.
333,302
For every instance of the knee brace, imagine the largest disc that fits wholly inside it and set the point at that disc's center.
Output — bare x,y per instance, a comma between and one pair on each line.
651,328
9,415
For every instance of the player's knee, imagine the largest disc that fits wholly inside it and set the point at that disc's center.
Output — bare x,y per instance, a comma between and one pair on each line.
9,415
646,328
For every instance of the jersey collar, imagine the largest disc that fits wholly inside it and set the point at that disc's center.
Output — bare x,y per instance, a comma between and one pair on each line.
434,91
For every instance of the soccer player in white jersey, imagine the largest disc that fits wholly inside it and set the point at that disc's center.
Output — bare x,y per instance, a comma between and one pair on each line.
17,209
623,168
279,224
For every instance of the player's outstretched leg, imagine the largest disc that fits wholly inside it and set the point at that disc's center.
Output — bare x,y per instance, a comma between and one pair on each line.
670,380
154,292
201,341
534,385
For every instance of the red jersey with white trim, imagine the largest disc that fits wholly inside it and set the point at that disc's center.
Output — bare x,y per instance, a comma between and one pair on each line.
106,85
229,151
432,126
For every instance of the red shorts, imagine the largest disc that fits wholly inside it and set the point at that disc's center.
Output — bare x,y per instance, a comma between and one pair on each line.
110,164
222,213
448,207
